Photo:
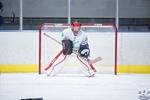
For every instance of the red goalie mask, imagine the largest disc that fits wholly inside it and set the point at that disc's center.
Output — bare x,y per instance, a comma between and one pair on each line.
76,27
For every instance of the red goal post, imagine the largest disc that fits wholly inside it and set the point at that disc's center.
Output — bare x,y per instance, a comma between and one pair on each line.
50,25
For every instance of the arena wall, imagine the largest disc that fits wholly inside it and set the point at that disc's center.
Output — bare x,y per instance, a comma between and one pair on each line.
20,52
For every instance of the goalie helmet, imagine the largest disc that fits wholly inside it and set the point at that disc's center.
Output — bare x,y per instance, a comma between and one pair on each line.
76,27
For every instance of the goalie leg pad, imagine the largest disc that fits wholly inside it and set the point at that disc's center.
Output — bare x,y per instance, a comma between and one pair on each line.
86,68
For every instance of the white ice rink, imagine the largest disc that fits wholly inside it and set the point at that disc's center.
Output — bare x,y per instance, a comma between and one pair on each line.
74,87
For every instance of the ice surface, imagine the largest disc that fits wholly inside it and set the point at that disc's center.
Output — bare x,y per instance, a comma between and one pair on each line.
73,86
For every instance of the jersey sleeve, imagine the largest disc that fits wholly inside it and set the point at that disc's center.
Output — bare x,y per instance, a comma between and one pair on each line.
85,38
62,36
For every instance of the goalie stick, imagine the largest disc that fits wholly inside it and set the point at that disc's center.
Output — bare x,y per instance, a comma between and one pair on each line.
52,62
90,61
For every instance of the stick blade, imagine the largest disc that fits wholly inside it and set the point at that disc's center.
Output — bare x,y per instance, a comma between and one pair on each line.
95,60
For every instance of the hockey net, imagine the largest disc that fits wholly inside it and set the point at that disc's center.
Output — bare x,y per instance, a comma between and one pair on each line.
102,39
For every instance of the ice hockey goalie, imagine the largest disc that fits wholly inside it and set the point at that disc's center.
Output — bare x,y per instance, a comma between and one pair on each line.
74,41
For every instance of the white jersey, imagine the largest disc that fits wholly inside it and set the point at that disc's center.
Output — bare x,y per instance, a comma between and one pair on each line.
77,40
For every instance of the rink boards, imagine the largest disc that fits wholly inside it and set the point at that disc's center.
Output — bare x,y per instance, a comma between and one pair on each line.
19,51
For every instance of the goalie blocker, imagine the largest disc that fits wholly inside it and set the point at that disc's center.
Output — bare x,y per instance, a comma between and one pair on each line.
67,46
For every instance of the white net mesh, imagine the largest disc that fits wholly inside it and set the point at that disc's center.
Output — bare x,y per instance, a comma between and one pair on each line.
101,39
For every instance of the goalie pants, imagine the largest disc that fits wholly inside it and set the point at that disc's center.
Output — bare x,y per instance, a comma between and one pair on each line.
84,66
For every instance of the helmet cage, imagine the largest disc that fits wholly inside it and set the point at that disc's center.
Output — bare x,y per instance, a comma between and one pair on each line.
76,27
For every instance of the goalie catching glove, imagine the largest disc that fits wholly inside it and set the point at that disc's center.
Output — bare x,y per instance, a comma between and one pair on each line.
67,47
84,50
